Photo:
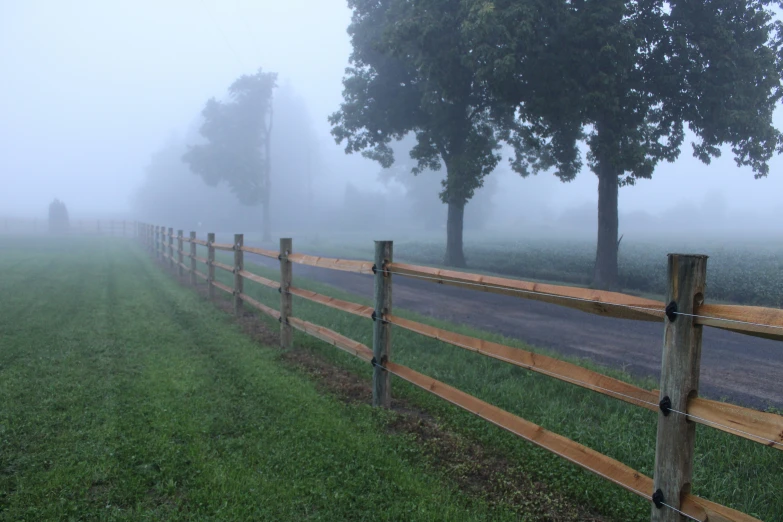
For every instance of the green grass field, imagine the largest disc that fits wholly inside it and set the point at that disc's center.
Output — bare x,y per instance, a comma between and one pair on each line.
124,396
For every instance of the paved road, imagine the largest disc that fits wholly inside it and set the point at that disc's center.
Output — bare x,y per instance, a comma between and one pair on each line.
740,369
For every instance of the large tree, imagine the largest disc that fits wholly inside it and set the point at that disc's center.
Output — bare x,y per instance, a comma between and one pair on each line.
411,72
626,76
238,137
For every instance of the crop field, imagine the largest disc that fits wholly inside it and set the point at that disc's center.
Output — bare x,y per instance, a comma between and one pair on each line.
740,272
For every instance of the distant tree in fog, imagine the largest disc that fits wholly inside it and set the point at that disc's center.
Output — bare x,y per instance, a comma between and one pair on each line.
625,76
410,72
58,217
238,142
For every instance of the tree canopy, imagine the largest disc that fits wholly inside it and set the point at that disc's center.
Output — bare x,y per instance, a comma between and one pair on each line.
411,72
237,137
626,77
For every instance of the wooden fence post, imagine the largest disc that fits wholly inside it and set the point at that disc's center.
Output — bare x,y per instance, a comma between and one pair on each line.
239,265
192,258
180,245
679,381
286,299
157,241
381,339
171,247
211,264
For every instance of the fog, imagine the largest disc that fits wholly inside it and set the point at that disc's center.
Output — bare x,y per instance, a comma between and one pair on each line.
93,92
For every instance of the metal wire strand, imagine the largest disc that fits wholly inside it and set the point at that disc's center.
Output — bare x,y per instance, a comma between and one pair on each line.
729,320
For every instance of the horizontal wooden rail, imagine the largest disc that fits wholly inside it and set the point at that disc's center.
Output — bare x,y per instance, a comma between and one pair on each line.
750,320
333,338
259,306
200,242
184,266
258,279
337,304
345,265
223,246
201,275
201,259
223,287
589,459
228,268
261,252
611,304
764,428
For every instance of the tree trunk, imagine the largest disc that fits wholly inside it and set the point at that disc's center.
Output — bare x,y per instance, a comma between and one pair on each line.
266,225
605,276
454,254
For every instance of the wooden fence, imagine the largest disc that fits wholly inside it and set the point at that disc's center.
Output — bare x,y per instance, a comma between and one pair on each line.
683,315
105,227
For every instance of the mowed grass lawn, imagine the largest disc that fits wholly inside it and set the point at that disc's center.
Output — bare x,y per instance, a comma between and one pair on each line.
125,396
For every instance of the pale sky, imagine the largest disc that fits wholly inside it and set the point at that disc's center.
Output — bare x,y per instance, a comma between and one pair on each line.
89,89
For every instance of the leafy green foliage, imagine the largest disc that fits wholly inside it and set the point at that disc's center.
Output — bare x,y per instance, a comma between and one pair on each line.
626,77
235,132
58,217
410,74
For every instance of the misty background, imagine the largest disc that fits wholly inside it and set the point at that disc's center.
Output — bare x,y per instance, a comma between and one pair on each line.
101,99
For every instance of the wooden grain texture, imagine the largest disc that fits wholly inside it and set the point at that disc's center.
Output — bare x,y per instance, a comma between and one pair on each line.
223,287
239,265
680,365
344,265
180,246
223,246
171,247
227,268
286,300
756,321
261,307
381,338
259,279
610,304
589,459
331,302
211,264
764,428
192,258
261,251
340,341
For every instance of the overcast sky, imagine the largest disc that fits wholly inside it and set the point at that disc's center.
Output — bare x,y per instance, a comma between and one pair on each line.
91,88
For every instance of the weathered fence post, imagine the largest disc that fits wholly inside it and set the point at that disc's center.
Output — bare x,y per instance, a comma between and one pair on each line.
180,246
239,265
286,299
157,241
679,381
211,264
192,258
381,339
171,247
